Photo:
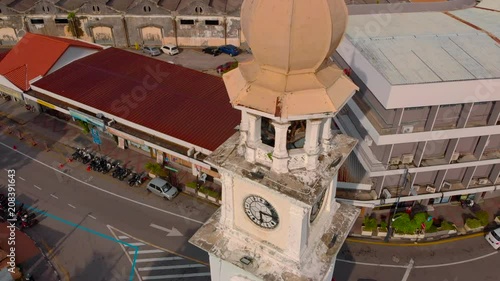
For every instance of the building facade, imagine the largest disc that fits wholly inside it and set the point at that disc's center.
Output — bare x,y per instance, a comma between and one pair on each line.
125,23
427,113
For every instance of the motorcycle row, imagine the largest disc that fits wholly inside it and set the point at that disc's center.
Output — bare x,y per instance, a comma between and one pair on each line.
24,218
103,164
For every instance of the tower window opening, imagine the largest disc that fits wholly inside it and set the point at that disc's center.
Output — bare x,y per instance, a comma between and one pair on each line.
295,136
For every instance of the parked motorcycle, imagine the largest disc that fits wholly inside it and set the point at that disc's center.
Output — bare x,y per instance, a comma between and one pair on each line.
125,173
28,223
117,171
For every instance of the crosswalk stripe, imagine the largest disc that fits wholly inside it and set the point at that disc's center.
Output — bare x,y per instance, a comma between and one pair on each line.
157,277
122,237
159,259
170,267
146,252
134,244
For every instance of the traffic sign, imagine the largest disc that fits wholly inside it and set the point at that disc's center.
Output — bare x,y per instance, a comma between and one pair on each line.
95,136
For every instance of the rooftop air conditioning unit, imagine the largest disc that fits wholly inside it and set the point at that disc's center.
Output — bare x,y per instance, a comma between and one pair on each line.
446,185
455,156
395,161
407,159
99,115
483,181
387,194
473,182
430,189
368,140
407,129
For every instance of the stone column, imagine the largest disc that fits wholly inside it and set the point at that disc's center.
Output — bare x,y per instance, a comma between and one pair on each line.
311,145
327,132
121,142
243,127
297,239
227,199
160,156
280,153
253,137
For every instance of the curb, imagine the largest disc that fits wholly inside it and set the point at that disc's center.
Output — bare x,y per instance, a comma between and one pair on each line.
356,238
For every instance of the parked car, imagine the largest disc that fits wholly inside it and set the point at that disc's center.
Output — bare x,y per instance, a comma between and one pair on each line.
223,68
162,188
170,49
230,50
493,237
214,51
152,51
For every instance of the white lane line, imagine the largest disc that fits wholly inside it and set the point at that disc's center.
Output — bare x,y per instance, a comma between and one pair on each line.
123,237
72,206
457,262
408,270
372,264
151,268
135,244
54,196
21,178
159,259
158,277
100,189
146,252
92,217
128,257
37,187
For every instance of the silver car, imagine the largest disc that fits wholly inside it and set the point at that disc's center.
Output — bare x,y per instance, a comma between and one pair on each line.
162,188
152,51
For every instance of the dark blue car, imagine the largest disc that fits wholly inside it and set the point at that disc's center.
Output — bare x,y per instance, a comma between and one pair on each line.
230,50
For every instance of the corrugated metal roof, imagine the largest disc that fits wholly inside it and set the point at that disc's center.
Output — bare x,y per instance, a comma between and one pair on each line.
186,104
429,47
34,55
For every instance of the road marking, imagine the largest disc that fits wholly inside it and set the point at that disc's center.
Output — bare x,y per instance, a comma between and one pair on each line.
56,262
175,276
156,246
135,244
100,189
173,267
54,196
372,264
37,187
408,270
171,232
122,237
457,262
146,252
92,217
21,178
72,206
159,259
128,257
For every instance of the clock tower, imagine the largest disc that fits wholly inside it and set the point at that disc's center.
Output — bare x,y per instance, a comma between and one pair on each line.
279,219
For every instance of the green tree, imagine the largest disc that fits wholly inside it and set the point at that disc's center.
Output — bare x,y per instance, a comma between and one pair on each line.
75,25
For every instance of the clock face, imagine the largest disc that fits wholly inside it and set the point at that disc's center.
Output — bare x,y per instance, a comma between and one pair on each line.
261,212
316,207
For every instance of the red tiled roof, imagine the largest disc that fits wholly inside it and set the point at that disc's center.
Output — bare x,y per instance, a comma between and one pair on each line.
3,54
36,54
185,104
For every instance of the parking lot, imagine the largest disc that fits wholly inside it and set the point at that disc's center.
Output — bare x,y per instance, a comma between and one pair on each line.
194,58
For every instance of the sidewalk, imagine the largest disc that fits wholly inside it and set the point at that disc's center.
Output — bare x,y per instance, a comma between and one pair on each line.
47,132
29,256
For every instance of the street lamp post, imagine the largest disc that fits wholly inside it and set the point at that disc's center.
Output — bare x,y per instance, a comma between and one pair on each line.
391,215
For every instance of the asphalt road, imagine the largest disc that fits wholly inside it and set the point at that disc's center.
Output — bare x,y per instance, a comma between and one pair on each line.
83,206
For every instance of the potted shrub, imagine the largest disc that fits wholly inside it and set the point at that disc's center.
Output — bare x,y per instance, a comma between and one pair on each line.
404,227
155,170
202,192
369,224
473,225
449,227
483,217
382,229
497,219
191,187
212,195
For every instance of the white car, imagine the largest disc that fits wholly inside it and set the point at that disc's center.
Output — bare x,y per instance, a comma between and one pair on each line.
493,237
170,49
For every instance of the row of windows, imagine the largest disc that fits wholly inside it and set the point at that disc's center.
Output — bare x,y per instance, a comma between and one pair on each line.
207,22
183,22
444,105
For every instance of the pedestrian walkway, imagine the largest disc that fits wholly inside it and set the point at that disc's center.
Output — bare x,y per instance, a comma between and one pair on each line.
29,256
152,263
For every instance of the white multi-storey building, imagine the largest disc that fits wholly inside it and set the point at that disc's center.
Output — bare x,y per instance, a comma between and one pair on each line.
427,113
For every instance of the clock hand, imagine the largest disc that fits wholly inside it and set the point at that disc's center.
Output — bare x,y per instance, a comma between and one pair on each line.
267,215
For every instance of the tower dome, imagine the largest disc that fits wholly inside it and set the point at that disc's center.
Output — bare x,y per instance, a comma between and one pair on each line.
290,36
291,75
